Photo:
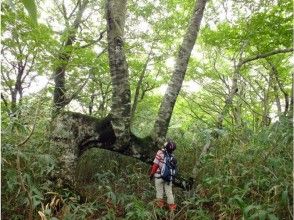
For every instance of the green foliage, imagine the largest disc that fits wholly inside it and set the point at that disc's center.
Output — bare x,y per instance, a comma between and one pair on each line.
246,175
24,165
253,179
30,5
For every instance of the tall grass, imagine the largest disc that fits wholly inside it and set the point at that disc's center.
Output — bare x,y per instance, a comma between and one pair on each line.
247,175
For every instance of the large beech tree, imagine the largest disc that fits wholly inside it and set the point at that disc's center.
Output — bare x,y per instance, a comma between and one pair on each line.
73,133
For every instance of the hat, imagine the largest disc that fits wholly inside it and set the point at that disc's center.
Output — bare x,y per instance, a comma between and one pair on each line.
170,146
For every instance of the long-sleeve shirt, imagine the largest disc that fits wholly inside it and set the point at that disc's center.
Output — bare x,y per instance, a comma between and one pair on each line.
157,163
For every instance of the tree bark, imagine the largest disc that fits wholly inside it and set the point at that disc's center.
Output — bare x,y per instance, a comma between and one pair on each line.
229,99
139,85
281,87
277,98
121,94
266,120
74,133
265,55
59,95
175,84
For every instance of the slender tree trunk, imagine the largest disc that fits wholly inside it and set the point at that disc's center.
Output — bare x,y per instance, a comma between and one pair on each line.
91,104
281,87
121,94
13,101
175,84
234,90
229,99
277,98
59,95
237,110
290,112
16,92
139,85
266,120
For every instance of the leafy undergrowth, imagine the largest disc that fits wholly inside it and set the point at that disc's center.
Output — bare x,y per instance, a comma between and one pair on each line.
240,179
250,180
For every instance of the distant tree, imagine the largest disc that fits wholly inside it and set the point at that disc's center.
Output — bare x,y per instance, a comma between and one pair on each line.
26,49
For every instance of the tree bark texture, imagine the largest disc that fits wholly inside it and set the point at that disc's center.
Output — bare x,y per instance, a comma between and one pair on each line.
59,95
74,133
281,87
121,93
175,84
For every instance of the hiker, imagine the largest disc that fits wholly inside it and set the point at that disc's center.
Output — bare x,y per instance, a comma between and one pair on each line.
163,180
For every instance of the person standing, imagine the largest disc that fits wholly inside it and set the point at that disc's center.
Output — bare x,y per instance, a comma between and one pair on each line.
164,160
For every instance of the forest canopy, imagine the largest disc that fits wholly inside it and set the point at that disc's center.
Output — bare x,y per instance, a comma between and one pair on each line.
92,89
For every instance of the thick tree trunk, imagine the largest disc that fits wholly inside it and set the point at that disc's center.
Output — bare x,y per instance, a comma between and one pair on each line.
74,133
174,86
121,94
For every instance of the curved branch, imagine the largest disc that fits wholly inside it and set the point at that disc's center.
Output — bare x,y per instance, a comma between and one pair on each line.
265,55
94,41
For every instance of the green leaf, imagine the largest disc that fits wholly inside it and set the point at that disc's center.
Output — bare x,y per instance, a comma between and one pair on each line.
249,208
239,201
272,217
30,5
285,197
261,215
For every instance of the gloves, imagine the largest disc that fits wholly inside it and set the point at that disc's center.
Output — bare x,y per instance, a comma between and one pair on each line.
153,171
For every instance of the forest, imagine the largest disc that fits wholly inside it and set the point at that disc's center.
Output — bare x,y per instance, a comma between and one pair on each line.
91,90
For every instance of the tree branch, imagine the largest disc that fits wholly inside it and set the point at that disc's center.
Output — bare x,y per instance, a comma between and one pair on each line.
4,100
139,83
94,41
265,55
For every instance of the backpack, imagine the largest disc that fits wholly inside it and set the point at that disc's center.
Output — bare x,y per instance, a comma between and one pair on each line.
169,168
